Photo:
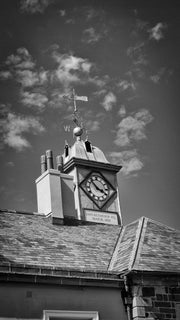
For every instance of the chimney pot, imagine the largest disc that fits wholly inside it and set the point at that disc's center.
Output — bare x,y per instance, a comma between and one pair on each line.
43,163
59,161
49,156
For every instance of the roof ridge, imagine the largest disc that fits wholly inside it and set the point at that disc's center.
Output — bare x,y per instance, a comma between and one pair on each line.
114,254
162,224
137,242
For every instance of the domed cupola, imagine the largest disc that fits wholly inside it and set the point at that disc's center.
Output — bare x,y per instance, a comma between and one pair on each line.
82,149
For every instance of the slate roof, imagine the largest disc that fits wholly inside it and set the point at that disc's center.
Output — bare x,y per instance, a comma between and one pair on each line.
147,245
144,245
33,240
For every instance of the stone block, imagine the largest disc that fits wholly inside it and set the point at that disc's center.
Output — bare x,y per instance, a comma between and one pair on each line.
176,290
138,302
167,310
162,304
137,291
138,312
141,302
160,290
177,297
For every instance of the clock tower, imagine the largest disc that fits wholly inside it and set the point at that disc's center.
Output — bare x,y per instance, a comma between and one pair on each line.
96,191
84,187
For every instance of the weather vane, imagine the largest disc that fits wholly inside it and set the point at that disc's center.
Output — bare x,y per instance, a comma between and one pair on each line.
76,117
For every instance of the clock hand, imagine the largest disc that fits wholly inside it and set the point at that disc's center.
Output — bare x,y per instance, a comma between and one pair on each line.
97,188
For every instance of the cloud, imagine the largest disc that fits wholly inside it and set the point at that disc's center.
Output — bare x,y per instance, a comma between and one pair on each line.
109,100
122,111
129,160
34,99
162,73
139,62
132,128
92,125
91,13
10,164
34,6
22,69
21,60
137,54
156,32
14,126
91,36
29,78
72,69
5,75
70,21
124,85
62,13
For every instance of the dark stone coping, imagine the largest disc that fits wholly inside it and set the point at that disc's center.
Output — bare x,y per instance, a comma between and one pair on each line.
33,273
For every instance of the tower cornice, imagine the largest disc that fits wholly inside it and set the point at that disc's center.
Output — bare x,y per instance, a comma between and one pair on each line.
73,162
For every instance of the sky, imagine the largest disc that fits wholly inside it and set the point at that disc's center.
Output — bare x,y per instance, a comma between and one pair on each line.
122,55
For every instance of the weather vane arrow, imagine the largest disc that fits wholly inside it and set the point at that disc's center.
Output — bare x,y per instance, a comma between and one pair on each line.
73,97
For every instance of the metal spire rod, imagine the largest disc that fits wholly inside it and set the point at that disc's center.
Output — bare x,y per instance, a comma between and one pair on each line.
74,100
76,117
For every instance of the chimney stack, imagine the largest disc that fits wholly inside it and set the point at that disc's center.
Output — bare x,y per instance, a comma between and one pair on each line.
55,190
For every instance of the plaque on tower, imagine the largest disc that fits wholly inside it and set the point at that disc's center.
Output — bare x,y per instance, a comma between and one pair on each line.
103,217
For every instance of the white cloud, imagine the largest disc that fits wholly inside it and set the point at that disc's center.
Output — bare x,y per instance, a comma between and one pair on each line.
122,111
129,160
14,126
139,60
10,164
70,21
91,13
158,76
22,69
5,75
27,78
71,68
124,85
156,32
34,99
21,60
99,82
91,36
34,6
92,125
109,100
62,13
132,128
137,54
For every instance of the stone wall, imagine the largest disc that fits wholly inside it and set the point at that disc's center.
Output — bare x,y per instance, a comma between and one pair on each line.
156,298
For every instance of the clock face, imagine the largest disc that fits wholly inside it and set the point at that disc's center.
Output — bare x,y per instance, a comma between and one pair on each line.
97,188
